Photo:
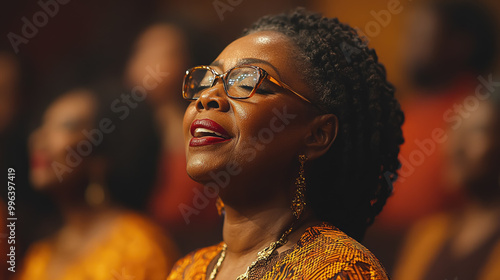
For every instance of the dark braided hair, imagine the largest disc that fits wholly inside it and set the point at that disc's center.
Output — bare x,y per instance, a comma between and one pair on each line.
349,185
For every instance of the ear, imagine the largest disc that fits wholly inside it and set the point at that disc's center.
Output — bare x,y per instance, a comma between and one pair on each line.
322,132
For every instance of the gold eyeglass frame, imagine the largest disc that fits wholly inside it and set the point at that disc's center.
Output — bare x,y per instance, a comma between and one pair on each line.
262,76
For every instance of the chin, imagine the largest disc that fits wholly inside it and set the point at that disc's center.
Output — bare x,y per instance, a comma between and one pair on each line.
198,169
204,169
42,184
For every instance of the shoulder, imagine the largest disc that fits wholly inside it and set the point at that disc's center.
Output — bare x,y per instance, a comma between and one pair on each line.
130,227
422,243
428,233
194,265
491,269
325,252
137,244
35,260
133,230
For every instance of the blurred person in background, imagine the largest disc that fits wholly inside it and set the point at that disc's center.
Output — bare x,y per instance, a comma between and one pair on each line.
463,243
448,44
168,47
96,168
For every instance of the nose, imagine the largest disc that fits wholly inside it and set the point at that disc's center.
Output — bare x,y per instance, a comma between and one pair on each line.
213,98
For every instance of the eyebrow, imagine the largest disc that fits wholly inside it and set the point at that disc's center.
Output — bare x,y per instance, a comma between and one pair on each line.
248,61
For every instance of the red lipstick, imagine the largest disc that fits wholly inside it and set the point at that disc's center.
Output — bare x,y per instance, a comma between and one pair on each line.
207,132
38,160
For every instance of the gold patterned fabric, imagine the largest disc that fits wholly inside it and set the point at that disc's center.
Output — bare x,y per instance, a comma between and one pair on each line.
322,252
133,249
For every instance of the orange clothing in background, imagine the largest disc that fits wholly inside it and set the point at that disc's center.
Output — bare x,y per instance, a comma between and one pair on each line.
323,252
133,249
425,243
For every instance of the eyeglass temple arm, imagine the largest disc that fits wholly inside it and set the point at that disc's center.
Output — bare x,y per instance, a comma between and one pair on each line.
273,80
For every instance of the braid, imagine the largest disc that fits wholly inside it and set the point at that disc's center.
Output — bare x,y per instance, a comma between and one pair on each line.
350,184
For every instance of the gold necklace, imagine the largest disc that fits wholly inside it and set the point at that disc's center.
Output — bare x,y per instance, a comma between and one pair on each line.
262,255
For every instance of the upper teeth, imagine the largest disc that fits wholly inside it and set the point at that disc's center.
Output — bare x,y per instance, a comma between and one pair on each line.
200,132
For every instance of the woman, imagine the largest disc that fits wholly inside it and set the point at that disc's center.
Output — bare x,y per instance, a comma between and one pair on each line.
171,46
72,162
463,243
299,137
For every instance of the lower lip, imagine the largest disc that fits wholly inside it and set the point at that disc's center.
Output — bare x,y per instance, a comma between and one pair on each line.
38,161
207,140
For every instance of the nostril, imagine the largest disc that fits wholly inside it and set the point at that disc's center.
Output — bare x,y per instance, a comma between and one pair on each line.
213,104
199,105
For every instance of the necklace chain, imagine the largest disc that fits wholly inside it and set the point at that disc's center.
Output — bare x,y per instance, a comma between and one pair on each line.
263,255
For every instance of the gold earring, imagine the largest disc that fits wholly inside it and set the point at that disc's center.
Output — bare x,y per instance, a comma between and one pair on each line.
94,194
299,201
220,206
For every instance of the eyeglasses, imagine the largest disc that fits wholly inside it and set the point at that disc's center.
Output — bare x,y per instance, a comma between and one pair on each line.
239,82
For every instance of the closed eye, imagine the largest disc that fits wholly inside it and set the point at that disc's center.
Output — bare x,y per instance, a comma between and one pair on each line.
263,91
200,88
260,90
246,88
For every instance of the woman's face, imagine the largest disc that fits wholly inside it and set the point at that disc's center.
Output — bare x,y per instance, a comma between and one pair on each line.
160,48
56,147
264,134
474,152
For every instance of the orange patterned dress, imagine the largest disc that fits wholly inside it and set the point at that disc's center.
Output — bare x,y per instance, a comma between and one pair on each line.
134,249
322,252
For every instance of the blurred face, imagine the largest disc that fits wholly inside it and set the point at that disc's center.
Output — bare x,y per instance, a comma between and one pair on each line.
60,132
421,45
163,49
432,54
421,36
258,137
474,152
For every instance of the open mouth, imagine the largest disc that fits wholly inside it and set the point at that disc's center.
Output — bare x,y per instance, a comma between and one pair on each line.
203,132
207,132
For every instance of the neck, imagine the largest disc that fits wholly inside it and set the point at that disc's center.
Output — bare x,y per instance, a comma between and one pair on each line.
76,212
247,231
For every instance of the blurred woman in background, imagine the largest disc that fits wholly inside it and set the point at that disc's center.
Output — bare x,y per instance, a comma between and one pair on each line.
75,159
167,48
465,243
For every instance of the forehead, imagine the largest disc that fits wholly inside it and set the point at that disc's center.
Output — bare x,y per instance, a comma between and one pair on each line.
270,46
278,55
161,34
78,104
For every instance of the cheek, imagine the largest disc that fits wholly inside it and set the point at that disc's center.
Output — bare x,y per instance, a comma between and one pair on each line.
60,145
67,155
271,136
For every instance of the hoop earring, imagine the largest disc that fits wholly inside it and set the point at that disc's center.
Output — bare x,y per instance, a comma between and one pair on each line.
95,194
299,201
220,206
